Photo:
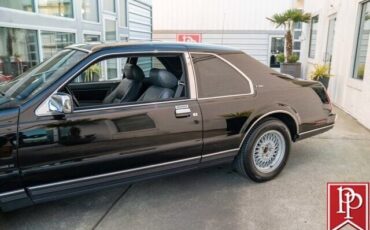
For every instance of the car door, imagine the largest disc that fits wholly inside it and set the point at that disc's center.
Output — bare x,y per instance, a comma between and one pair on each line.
226,99
94,147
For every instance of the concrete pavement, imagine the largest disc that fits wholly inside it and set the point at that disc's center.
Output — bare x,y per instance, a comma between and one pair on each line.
217,197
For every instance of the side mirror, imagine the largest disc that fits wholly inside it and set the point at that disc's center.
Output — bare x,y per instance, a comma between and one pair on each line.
60,103
57,104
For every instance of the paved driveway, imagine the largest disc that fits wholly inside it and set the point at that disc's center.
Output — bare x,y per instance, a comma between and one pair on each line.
218,198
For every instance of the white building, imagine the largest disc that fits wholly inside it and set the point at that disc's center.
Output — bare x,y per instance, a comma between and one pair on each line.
339,37
237,23
33,30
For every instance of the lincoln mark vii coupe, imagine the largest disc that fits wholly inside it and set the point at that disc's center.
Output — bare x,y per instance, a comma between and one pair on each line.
100,115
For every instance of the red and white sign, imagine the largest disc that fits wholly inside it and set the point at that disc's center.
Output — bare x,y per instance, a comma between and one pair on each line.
348,206
197,38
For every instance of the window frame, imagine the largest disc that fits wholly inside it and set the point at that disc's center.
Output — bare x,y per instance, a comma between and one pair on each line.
359,24
98,4
73,18
312,55
108,11
185,59
232,66
41,43
120,16
20,10
93,33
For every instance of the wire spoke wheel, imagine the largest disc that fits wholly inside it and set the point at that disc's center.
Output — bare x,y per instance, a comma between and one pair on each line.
269,151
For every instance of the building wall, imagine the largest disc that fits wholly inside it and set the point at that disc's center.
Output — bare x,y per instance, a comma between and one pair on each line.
254,42
352,95
216,14
140,19
238,23
132,18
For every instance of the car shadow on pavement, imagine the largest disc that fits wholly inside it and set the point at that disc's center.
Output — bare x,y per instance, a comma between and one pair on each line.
188,194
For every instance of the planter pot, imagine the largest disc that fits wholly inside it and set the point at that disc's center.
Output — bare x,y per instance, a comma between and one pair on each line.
324,81
293,69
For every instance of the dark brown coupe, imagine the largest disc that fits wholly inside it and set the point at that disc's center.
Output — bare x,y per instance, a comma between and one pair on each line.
96,116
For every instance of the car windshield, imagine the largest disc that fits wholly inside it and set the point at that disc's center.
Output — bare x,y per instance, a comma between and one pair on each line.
41,76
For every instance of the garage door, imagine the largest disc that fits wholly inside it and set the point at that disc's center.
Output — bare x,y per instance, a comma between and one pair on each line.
140,19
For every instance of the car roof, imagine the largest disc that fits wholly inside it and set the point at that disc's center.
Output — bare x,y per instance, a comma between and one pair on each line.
154,45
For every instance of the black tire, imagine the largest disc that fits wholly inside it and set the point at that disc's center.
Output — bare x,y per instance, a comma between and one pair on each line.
244,162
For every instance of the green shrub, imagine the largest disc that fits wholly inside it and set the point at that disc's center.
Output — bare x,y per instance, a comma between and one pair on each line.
320,71
280,58
361,71
293,58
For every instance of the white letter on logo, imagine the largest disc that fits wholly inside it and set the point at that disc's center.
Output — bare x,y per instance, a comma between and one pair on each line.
350,197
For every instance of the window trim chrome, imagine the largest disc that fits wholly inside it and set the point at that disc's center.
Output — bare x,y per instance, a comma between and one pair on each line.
117,106
252,91
190,75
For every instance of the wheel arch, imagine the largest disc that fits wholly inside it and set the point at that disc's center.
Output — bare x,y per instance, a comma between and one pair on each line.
288,118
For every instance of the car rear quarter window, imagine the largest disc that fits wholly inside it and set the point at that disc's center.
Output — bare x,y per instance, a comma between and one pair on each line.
217,78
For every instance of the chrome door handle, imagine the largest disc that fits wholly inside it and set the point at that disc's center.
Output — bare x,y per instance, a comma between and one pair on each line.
182,111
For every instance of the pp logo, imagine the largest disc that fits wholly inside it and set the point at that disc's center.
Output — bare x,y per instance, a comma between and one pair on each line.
348,206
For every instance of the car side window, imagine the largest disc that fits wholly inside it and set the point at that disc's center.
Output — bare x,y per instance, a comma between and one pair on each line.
147,63
129,80
107,70
217,78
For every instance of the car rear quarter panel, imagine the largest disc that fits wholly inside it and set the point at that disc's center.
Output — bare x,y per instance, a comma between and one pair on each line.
274,92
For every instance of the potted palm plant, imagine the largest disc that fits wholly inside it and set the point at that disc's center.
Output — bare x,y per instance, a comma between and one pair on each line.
92,73
321,73
287,20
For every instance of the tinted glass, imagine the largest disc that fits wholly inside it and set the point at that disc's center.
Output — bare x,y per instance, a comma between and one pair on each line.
362,42
26,5
62,8
52,42
91,38
109,5
313,37
110,30
18,52
90,10
217,78
41,76
104,83
122,12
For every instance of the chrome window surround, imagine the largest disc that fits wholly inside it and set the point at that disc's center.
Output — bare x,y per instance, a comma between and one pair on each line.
187,66
232,66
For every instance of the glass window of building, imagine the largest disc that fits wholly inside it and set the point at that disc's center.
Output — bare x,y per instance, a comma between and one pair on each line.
26,5
313,37
52,42
91,38
362,42
109,5
62,8
122,13
18,51
90,10
110,30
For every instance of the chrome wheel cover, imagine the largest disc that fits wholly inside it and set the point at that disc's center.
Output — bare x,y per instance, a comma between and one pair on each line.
269,151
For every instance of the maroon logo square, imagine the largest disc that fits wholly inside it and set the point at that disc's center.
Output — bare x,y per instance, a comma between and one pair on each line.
348,206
